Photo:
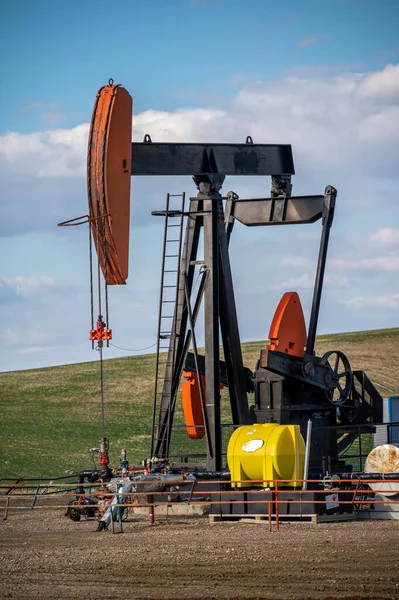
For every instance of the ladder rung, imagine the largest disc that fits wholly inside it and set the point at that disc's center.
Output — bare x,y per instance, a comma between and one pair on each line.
168,337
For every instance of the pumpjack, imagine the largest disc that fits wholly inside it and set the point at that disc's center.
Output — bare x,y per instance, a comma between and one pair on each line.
290,384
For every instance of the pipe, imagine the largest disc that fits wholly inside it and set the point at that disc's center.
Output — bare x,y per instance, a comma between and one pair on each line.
212,475
159,482
112,511
307,454
92,476
142,484
368,476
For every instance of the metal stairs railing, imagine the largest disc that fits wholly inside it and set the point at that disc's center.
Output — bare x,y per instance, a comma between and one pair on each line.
168,304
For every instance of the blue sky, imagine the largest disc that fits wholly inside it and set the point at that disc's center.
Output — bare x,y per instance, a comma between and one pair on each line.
320,74
175,52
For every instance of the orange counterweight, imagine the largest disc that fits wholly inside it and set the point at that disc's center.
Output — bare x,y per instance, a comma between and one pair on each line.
192,409
288,329
108,180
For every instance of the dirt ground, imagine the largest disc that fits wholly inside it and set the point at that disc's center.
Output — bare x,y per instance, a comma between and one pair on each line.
44,555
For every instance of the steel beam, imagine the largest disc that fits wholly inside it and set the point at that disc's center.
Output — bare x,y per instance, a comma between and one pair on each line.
211,314
200,386
278,211
230,333
329,198
150,158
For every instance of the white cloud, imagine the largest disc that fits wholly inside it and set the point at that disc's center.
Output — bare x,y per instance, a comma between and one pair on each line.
306,282
363,302
39,349
382,86
240,78
185,125
383,263
28,286
50,113
314,39
29,335
350,120
296,261
337,280
345,120
387,236
9,337
57,153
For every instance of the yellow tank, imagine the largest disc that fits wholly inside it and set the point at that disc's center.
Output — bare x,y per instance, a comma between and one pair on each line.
266,452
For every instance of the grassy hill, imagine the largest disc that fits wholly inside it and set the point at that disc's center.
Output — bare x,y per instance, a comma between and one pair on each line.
52,416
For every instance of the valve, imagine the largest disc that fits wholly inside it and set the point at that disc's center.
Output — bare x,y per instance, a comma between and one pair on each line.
124,461
104,447
101,333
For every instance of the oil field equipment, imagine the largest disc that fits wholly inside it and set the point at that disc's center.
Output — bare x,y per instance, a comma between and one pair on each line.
266,453
290,385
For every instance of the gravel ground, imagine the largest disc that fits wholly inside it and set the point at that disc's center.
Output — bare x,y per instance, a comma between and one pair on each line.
44,555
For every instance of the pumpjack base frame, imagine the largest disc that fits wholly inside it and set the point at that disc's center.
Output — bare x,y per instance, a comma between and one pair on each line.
286,518
290,502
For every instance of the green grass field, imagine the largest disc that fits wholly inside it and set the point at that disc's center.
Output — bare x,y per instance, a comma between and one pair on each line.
52,416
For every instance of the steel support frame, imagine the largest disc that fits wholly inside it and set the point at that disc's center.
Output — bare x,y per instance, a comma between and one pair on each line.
219,310
212,162
330,196
161,437
157,158
211,315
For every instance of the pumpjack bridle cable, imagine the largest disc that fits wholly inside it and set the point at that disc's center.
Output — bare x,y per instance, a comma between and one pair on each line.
99,222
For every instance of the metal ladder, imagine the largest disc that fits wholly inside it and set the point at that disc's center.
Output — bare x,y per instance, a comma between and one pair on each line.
168,304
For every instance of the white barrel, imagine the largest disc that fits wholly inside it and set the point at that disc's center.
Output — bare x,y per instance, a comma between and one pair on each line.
384,459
